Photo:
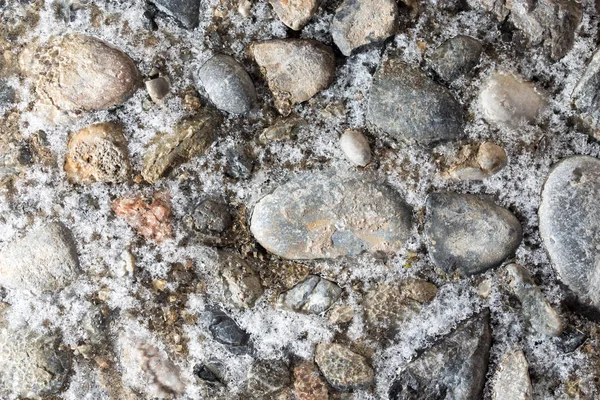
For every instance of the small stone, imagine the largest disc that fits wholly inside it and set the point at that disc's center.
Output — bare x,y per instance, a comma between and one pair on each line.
242,283
571,340
360,22
239,165
44,260
542,317
468,233
187,12
484,289
512,378
227,84
295,69
314,295
225,331
356,147
7,93
507,100
158,89
267,377
308,384
295,13
212,217
98,153
151,220
283,129
324,216
584,96
410,107
341,315
209,372
343,368
478,162
456,57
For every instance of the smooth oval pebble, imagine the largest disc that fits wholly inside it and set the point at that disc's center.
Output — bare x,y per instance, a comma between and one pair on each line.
324,216
356,147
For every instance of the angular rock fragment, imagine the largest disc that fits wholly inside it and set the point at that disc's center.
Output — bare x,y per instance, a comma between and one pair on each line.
341,315
453,368
456,57
313,295
210,222
239,165
410,107
584,96
295,13
343,368
242,283
324,216
267,377
187,12
295,69
7,93
478,162
512,378
45,259
225,331
308,384
158,88
356,147
151,220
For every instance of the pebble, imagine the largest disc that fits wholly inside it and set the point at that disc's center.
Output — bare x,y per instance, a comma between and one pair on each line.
453,368
98,153
239,165
324,216
158,89
225,331
295,14
242,283
356,147
187,12
341,315
343,368
506,100
207,373
512,378
7,93
478,162
212,216
44,260
537,311
584,96
228,85
309,68
456,57
314,295
569,216
360,22
409,106
267,377
151,219
468,233
282,129
308,384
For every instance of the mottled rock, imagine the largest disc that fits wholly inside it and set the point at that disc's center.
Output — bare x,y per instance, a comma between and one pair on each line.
239,165
225,331
295,69
97,153
212,217
341,315
478,161
282,129
584,96
308,384
187,12
227,84
158,89
242,283
295,13
324,216
360,22
151,219
267,377
537,311
356,147
468,233
343,368
512,378
45,259
410,107
7,93
453,368
456,57
313,295
497,7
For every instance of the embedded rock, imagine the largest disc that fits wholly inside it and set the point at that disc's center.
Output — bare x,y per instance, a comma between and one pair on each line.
356,147
478,162
225,331
512,378
187,12
7,93
313,295
158,89
456,57
584,96
343,368
295,13
151,219
308,384
267,377
242,283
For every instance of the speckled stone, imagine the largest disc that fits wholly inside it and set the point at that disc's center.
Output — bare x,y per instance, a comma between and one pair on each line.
267,377
456,57
512,378
187,12
478,161
343,368
242,283
308,384
313,295
295,13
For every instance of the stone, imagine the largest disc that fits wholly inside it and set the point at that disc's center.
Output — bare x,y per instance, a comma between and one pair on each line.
341,315
497,7
242,283
80,73
314,295
212,216
406,104
512,378
282,129
295,13
453,368
227,84
356,147
225,331
187,12
343,368
507,100
569,216
239,165
584,95
7,93
324,216
387,306
308,384
206,373
267,377
158,89
151,219
536,310
98,153
456,57
191,136
295,69
44,260
469,234
478,161
360,22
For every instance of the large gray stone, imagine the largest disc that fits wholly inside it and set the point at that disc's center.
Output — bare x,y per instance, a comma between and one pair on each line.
187,12
585,95
324,216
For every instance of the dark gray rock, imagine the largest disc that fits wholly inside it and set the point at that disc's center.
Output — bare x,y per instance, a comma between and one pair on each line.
267,377
585,95
187,12
7,93
207,373
313,295
409,106
512,378
227,84
325,216
468,233
225,331
212,216
456,57
453,368
343,368
239,165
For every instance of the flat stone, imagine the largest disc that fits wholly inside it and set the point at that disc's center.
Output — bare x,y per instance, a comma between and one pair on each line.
468,233
360,22
341,315
356,147
512,378
45,259
267,377
314,295
242,283
227,84
569,216
308,384
212,216
295,13
343,368
324,216
410,107
295,69
456,57
584,96
453,368
187,12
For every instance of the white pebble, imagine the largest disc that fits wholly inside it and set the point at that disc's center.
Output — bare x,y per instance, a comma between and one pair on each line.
356,147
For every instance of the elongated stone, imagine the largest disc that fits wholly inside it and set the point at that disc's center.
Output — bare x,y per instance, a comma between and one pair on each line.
512,378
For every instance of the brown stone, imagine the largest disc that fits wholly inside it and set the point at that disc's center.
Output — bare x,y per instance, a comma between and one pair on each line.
295,13
308,384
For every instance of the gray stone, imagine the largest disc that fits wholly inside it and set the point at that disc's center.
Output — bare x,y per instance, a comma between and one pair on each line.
45,259
468,233
225,331
537,311
360,22
453,368
512,378
267,377
158,89
212,217
409,106
570,224
343,368
324,216
239,165
242,283
282,129
295,13
7,93
187,12
456,57
356,147
313,295
584,97
227,84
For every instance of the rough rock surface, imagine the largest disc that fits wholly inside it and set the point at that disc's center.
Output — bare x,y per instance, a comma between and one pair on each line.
308,384
456,57
478,162
242,283
356,147
267,377
584,96
512,378
187,12
226,331
295,13
313,295
468,233
453,368
324,216
343,368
